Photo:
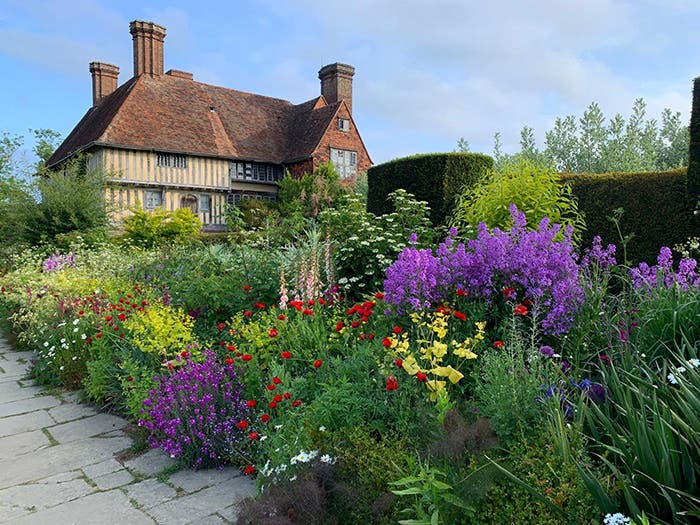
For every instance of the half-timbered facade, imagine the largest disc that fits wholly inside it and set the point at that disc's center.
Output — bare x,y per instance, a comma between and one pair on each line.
166,140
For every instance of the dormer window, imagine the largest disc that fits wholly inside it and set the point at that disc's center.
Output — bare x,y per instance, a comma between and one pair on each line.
343,124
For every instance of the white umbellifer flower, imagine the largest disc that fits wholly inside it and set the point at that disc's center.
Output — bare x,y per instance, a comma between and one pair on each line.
616,519
83,336
321,429
46,344
63,340
75,357
76,321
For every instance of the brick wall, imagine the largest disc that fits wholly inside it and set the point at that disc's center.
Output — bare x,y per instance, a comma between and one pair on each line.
347,140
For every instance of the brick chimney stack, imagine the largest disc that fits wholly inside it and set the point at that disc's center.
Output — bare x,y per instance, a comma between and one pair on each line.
104,80
336,83
148,47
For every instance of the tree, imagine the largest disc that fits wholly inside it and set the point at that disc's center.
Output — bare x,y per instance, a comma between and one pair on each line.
9,144
590,146
46,141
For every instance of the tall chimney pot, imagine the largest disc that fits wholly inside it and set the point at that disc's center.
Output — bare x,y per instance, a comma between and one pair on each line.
104,80
148,47
336,83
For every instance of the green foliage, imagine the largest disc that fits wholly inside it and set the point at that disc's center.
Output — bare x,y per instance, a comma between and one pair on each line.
366,244
311,193
647,436
46,141
693,180
435,178
511,380
656,209
433,499
535,189
161,227
9,144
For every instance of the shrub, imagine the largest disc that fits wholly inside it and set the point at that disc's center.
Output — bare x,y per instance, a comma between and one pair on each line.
435,178
536,190
198,415
367,244
161,227
656,209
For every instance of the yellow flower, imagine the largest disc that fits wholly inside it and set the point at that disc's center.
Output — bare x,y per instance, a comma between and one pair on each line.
410,365
454,376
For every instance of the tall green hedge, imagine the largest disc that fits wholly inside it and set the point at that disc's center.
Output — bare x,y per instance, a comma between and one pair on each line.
694,153
656,209
436,178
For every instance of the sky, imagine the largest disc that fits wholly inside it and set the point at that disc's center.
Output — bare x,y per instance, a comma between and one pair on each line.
427,72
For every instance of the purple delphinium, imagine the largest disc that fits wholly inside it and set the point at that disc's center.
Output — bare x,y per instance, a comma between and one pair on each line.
662,273
193,413
541,263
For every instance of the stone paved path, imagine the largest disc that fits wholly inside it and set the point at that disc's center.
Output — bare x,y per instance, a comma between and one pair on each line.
58,465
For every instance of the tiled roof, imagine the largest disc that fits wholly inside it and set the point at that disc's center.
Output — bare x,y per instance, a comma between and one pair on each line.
167,113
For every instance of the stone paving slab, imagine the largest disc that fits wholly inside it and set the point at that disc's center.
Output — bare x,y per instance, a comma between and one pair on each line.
19,444
52,494
69,412
194,480
86,427
150,463
10,392
150,492
14,408
25,423
99,508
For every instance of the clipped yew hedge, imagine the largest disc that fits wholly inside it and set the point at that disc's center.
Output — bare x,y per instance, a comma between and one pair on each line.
656,209
436,178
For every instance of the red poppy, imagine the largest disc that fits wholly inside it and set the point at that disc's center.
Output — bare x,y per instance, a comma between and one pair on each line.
296,403
460,316
130,378
397,330
285,355
259,306
421,377
264,418
229,360
108,318
391,383
230,348
273,404
307,311
379,295
122,317
321,301
287,395
250,403
386,342
248,313
318,363
271,387
355,324
272,332
520,309
276,380
277,398
220,326
461,292
399,363
254,436
185,353
81,312
281,317
247,357
498,344
246,287
509,292
370,336
98,335
242,424
250,469
339,326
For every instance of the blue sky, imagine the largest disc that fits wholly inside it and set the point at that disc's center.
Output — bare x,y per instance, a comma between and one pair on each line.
427,72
